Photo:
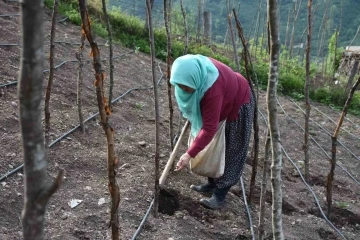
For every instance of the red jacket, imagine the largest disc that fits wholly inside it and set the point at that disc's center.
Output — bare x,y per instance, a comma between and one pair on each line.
221,101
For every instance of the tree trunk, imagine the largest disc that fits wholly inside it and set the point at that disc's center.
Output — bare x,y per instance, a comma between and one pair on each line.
322,49
293,28
157,126
257,28
104,111
51,74
321,29
273,120
247,60
167,20
341,15
263,35
207,28
226,36
252,25
134,6
108,28
299,49
335,54
353,72
186,43
37,188
199,21
357,32
287,30
330,178
313,15
232,37
79,57
263,187
146,15
307,97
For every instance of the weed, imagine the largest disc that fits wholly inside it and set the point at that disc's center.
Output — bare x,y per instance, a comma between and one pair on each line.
342,205
139,106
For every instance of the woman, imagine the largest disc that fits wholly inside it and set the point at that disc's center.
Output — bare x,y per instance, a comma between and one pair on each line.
208,92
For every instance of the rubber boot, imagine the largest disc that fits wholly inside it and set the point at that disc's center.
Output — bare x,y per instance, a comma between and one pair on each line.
217,200
208,187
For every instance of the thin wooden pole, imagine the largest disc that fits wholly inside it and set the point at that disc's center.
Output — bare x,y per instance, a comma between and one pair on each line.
104,111
51,74
307,96
330,178
156,98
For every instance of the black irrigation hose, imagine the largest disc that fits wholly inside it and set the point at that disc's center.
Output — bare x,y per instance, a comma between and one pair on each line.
8,84
61,64
10,173
9,15
335,122
353,154
58,42
245,202
17,14
63,20
9,44
308,187
314,195
138,230
46,70
247,208
319,146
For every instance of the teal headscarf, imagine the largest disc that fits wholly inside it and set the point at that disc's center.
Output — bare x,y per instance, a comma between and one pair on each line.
196,72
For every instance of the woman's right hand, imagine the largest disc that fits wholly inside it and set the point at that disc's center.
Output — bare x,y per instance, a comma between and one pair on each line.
183,162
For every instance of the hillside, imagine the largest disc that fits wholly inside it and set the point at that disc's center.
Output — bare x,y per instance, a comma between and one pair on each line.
247,13
83,156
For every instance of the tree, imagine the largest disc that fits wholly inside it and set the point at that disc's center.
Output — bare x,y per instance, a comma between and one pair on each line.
199,20
296,15
108,28
51,74
334,54
38,190
330,177
273,119
263,187
167,20
248,64
185,27
157,118
147,14
104,111
307,91
79,57
229,18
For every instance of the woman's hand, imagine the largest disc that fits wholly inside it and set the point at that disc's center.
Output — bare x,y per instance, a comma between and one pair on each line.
183,162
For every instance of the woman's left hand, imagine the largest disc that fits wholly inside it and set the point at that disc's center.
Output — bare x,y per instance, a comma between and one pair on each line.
183,162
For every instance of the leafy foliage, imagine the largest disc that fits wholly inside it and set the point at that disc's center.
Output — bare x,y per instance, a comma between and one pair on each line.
130,31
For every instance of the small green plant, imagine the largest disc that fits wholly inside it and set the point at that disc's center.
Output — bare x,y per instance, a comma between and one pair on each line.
137,49
139,106
342,205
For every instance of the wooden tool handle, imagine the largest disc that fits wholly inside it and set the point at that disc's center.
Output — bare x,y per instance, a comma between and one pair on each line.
173,155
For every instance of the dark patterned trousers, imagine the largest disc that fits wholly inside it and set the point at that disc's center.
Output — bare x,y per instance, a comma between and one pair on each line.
237,138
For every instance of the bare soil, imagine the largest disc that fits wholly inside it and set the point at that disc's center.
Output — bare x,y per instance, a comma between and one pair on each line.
83,158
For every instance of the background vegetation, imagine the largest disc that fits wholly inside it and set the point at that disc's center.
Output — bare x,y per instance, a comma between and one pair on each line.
129,30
